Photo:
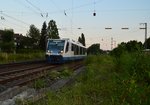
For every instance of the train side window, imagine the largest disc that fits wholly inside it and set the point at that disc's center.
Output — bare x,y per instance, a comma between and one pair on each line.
72,47
76,50
67,47
81,50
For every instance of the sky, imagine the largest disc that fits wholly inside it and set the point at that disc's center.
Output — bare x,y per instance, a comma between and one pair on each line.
74,17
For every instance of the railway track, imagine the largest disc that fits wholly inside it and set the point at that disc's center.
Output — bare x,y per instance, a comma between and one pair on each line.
22,74
12,66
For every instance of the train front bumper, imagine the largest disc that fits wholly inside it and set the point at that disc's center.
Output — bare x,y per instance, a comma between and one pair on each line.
54,58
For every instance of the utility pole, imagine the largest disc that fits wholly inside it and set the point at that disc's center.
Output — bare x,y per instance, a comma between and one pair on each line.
111,43
114,44
145,28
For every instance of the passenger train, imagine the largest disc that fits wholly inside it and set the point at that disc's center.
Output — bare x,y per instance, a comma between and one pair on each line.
64,50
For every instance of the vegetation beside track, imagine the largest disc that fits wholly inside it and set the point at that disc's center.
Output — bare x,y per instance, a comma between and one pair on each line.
124,80
10,57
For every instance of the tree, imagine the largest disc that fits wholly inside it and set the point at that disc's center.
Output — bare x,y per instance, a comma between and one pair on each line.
52,30
42,43
7,35
131,46
79,39
7,43
147,43
82,39
94,49
34,34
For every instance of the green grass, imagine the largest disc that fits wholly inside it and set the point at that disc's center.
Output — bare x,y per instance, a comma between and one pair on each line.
40,83
7,58
107,81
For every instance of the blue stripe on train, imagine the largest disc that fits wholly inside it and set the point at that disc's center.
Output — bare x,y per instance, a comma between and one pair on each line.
60,59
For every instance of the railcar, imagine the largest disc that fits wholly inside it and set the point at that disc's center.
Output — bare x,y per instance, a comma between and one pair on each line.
64,50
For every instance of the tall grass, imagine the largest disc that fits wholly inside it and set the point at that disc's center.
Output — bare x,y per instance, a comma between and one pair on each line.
10,57
89,88
133,79
107,81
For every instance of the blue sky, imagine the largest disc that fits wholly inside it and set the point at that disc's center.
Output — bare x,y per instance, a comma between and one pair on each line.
19,14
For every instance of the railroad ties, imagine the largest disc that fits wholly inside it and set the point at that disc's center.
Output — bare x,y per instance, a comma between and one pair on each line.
23,74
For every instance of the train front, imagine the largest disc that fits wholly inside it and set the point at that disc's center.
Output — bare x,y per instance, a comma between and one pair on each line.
54,50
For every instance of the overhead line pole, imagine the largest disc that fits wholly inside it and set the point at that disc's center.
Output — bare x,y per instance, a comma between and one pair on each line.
145,33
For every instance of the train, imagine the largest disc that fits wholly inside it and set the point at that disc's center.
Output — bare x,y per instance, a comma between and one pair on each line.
64,50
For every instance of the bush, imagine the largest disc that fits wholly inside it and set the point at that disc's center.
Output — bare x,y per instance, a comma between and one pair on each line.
132,79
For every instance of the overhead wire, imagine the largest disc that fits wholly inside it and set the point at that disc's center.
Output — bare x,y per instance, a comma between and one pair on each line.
84,5
5,24
20,26
14,18
58,8
10,26
41,12
28,7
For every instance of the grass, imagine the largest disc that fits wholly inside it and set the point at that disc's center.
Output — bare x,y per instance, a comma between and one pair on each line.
107,81
40,83
10,57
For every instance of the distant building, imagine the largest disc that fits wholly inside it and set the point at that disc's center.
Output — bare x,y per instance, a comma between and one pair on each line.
18,38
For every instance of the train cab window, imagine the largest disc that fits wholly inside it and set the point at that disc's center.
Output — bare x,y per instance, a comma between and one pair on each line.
55,45
67,47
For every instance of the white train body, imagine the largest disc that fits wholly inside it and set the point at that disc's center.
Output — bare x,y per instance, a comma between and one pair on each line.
63,50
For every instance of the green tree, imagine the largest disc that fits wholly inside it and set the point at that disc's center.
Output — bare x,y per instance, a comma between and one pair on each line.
7,43
7,35
26,43
82,39
79,39
94,49
52,30
147,43
34,34
131,46
42,43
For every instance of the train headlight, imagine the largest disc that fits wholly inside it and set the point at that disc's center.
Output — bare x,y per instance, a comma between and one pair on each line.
49,51
61,52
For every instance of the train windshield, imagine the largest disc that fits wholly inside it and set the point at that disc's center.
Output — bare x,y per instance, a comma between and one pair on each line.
56,45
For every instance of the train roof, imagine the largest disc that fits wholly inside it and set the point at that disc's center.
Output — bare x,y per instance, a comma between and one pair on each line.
71,40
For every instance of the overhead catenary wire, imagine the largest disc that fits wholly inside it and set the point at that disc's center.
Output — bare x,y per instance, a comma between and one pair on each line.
28,7
37,8
33,5
58,8
5,24
84,5
10,26
4,14
14,24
